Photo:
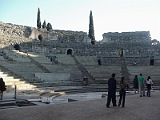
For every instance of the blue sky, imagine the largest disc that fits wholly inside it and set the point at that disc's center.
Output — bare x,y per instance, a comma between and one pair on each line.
108,15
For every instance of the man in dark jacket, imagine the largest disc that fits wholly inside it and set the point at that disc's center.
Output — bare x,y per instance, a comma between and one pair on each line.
2,88
111,91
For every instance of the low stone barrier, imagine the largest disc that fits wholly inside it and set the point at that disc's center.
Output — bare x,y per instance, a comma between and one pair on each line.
53,76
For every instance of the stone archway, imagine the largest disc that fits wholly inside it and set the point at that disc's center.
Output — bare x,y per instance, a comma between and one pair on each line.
99,62
69,52
40,37
17,47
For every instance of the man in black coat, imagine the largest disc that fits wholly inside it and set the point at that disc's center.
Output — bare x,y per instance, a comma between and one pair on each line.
111,91
2,88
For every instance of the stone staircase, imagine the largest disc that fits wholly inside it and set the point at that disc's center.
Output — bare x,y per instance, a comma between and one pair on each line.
83,70
103,73
10,82
124,70
39,65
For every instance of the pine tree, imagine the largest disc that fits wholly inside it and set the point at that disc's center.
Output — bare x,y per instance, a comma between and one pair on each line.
49,27
91,28
38,19
44,24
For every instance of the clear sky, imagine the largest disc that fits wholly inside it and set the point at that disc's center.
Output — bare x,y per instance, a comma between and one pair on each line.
108,15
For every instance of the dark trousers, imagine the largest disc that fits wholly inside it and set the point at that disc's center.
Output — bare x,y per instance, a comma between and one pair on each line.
1,95
122,94
111,95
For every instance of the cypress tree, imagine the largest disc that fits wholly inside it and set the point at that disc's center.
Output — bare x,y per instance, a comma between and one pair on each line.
44,24
38,19
49,27
91,28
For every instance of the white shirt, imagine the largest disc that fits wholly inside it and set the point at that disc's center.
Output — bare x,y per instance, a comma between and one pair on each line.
149,81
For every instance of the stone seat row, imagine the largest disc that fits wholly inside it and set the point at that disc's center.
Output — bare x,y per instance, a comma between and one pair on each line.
16,55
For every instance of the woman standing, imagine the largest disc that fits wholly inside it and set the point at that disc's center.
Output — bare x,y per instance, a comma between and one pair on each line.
2,87
122,92
135,83
149,83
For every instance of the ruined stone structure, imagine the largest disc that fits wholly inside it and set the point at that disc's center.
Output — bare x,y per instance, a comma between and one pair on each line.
136,45
127,37
12,34
71,54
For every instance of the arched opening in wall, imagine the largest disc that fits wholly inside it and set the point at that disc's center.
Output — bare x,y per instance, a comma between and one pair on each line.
92,42
99,62
40,37
69,52
16,47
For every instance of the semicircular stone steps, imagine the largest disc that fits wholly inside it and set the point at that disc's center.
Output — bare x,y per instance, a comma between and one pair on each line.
10,82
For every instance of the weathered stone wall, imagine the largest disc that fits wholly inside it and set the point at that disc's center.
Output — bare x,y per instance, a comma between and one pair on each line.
136,45
125,37
12,34
53,76
67,36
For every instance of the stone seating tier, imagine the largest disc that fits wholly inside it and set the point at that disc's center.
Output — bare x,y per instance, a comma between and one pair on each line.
87,60
99,72
40,58
65,59
16,55
10,82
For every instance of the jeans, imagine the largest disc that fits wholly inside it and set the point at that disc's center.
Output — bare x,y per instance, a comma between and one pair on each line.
148,92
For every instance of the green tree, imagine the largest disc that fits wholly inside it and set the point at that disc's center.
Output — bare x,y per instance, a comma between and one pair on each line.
91,28
49,27
44,24
38,19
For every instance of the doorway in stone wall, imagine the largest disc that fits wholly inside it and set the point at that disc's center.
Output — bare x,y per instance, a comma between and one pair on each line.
69,52
99,62
152,62
17,47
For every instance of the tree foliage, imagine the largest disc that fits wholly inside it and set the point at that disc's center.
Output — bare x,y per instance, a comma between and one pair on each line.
38,19
44,24
49,27
91,28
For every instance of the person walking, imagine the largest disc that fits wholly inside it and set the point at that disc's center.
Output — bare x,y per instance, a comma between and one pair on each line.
122,92
141,85
149,84
135,83
111,91
2,87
